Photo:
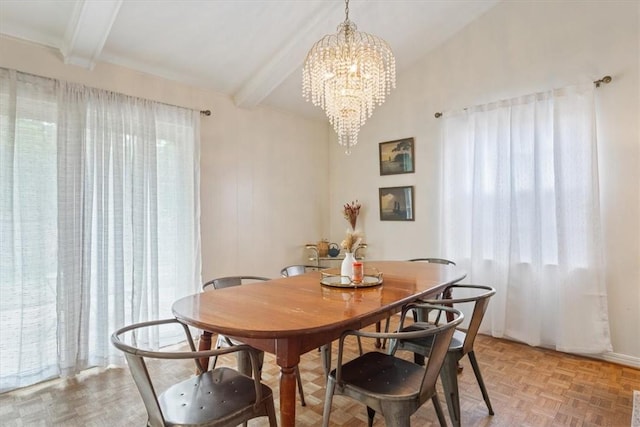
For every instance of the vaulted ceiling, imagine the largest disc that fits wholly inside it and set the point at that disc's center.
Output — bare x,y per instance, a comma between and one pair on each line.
251,50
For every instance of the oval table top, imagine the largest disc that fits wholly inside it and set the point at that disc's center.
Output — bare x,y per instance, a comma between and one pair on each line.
300,305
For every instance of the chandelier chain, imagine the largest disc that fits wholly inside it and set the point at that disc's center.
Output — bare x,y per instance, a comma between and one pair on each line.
346,10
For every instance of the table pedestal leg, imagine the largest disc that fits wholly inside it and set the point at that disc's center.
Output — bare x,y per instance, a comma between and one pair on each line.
287,396
204,344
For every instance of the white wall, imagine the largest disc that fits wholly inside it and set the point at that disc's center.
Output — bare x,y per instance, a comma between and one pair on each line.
264,190
264,186
516,48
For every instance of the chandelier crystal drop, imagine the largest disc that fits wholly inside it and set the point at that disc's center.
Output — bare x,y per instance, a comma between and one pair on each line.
348,74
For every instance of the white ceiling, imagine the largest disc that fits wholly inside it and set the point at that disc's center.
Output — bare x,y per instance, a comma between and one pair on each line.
251,50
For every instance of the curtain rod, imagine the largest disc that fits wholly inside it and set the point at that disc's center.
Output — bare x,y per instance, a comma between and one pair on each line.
203,112
605,80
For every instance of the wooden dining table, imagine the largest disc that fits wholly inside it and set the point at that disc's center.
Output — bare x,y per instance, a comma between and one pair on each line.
290,316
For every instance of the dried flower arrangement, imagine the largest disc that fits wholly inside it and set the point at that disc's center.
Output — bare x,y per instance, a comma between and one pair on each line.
351,212
353,239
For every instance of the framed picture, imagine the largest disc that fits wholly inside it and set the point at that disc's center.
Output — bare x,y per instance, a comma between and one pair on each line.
396,203
396,157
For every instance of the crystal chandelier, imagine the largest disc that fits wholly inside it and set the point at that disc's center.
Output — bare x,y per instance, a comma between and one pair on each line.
347,74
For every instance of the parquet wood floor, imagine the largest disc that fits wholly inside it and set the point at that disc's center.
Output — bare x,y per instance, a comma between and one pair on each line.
527,386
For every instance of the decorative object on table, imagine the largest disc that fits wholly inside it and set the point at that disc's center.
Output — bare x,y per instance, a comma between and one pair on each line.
346,268
334,250
350,212
370,277
347,74
396,157
358,272
350,245
323,248
396,203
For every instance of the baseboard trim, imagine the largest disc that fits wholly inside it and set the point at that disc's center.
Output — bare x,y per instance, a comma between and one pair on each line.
620,359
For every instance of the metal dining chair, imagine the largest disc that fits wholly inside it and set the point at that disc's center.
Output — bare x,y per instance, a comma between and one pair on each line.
461,344
422,315
220,397
224,341
389,385
417,313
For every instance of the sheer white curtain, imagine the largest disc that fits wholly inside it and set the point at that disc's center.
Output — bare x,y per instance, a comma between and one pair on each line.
520,212
99,222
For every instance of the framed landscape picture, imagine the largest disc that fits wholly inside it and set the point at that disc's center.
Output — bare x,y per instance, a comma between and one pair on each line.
396,203
396,157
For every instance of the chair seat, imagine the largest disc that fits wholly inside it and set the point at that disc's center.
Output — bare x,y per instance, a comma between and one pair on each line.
382,374
213,395
456,342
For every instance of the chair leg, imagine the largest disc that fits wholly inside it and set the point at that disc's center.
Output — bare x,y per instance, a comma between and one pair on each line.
418,316
449,377
300,390
244,363
393,347
371,413
328,398
271,413
386,329
438,408
215,358
483,389
325,354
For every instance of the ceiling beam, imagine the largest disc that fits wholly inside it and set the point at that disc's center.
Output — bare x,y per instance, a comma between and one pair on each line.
267,78
87,31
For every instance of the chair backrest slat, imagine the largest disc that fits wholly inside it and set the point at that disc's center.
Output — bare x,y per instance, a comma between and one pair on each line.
479,309
229,281
434,260
480,304
297,269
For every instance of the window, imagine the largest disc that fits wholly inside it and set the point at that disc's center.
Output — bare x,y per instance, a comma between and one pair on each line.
520,211
99,228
